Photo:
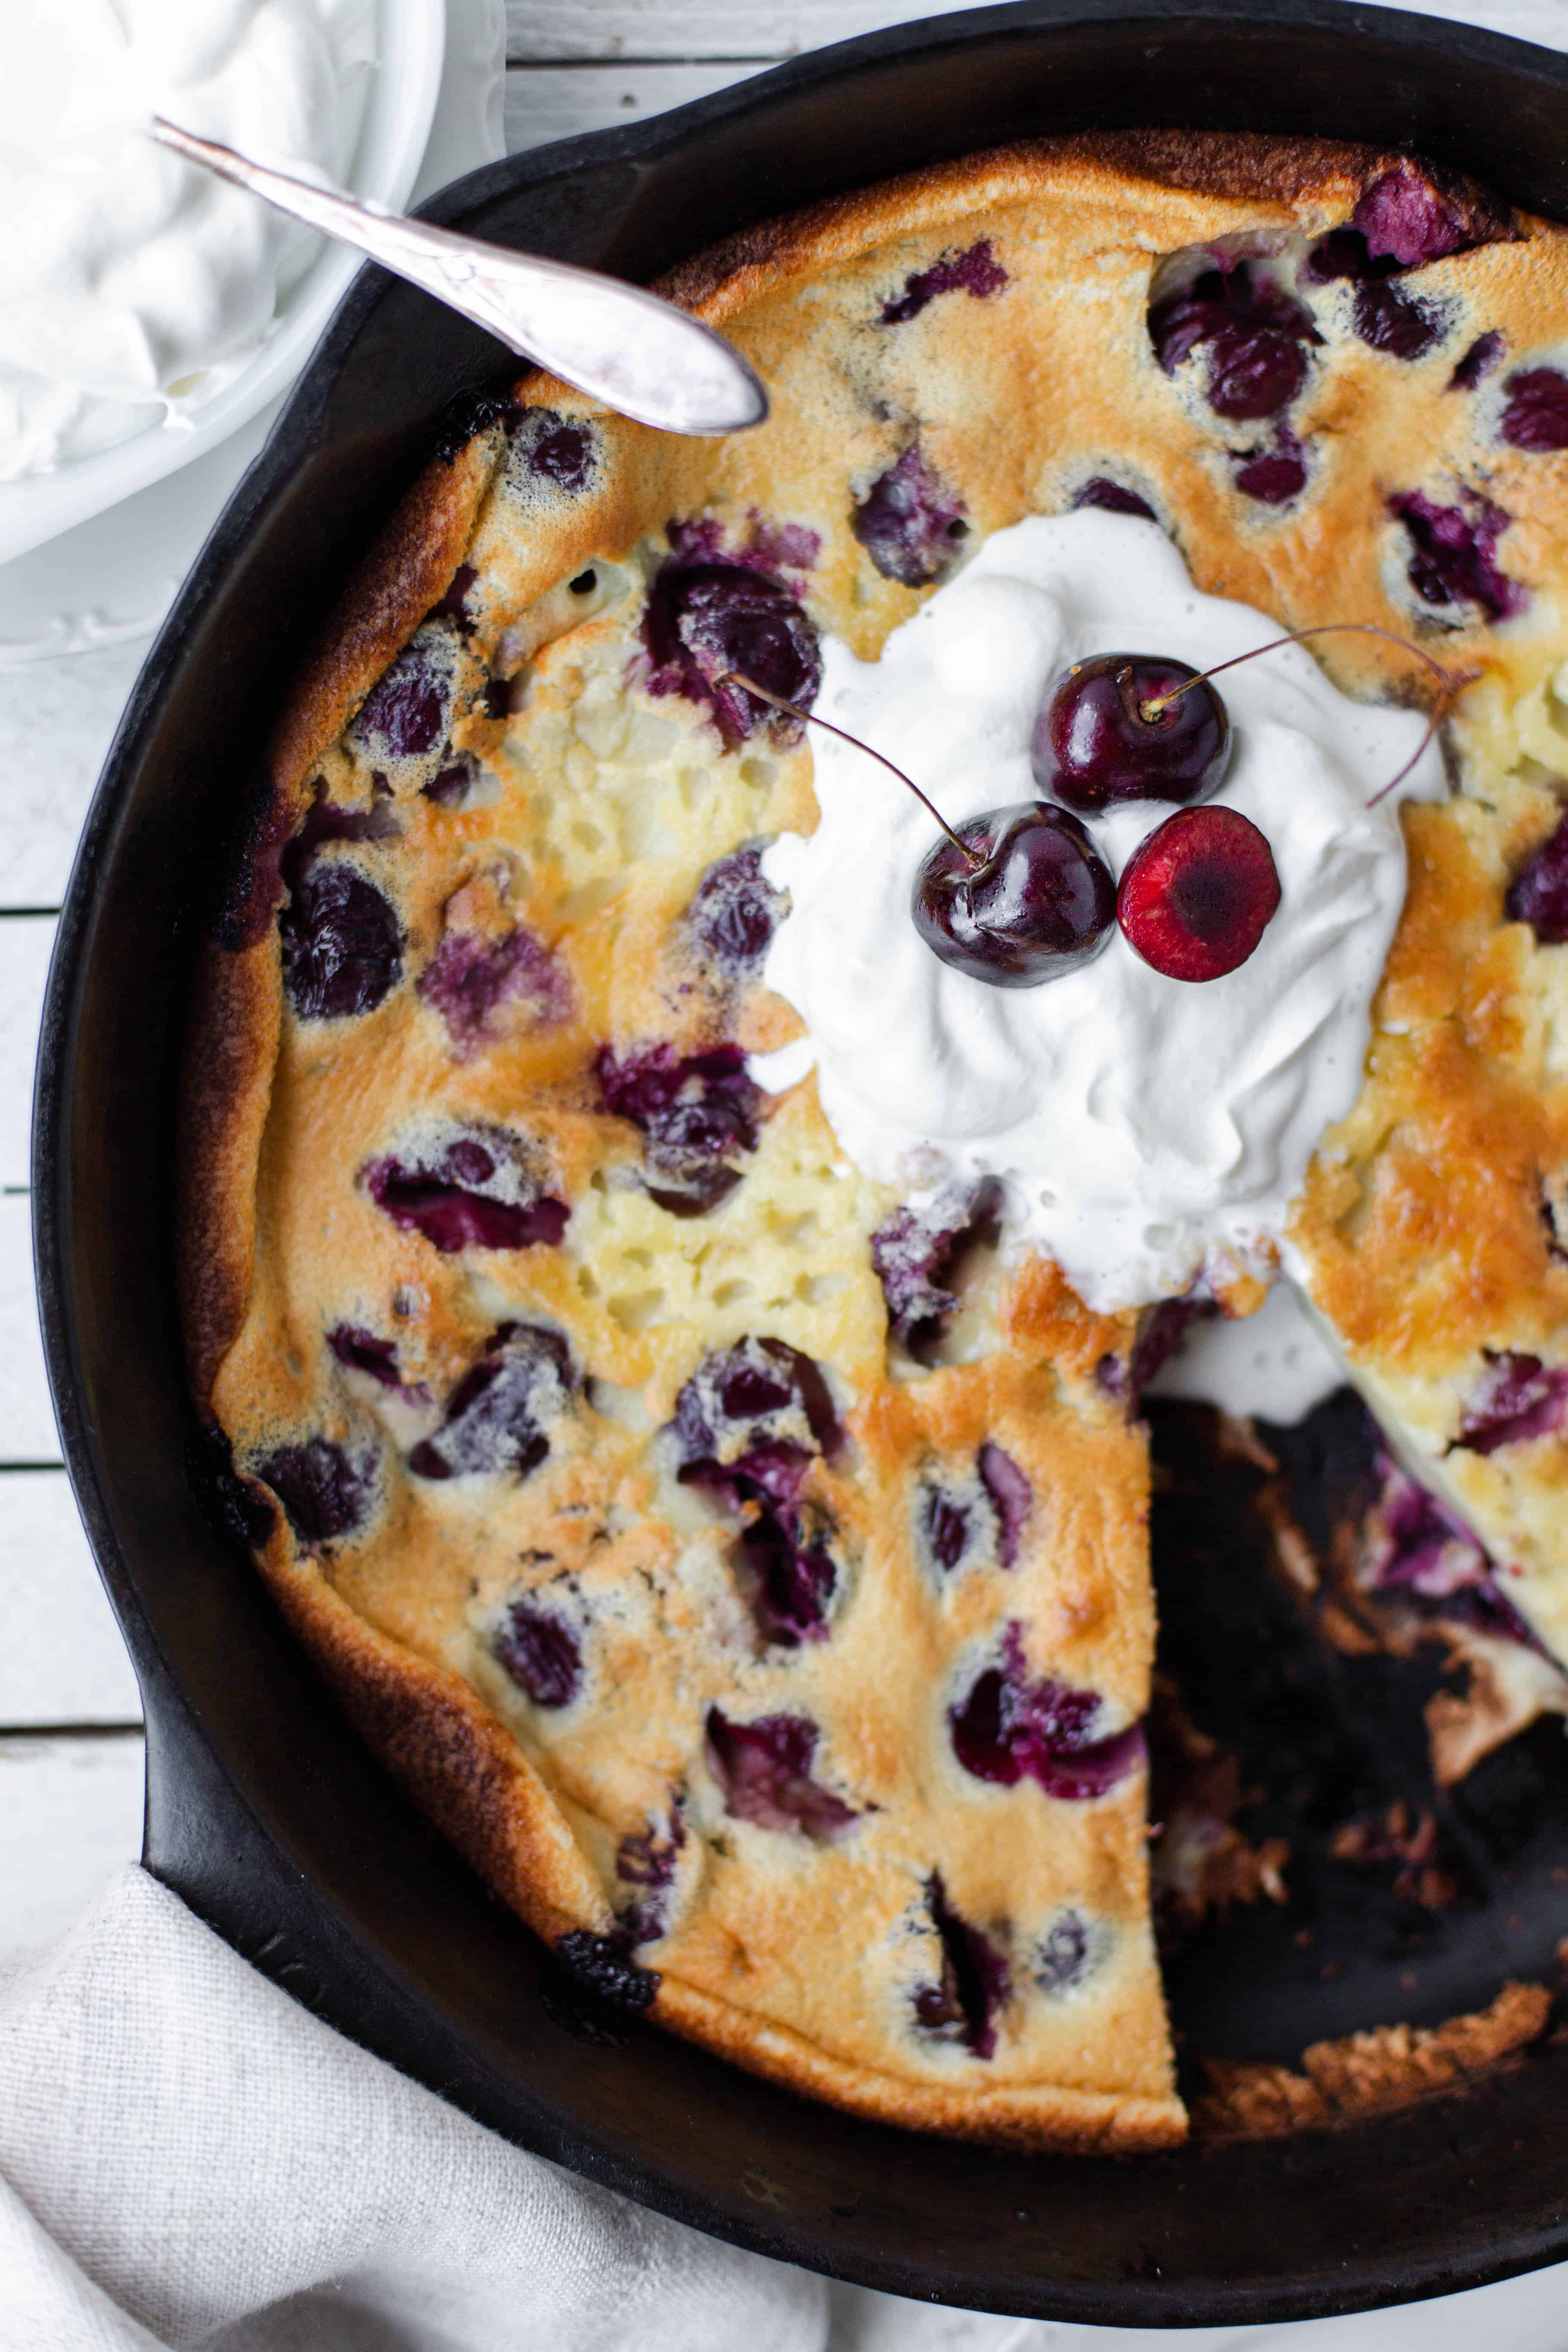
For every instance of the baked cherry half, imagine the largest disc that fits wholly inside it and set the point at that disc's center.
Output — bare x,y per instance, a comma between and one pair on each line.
1018,896
1131,727
1198,895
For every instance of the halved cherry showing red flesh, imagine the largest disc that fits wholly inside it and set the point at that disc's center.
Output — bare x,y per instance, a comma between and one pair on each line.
1198,895
1117,729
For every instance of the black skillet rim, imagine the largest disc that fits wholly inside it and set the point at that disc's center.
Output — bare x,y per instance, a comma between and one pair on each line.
205,1834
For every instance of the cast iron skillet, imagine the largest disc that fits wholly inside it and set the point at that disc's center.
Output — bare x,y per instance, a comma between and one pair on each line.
263,1812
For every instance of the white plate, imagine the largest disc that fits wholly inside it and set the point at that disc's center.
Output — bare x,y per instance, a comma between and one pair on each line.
111,580
399,110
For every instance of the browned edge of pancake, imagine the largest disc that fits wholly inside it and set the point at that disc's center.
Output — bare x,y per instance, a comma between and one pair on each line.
1288,174
236,1002
471,1779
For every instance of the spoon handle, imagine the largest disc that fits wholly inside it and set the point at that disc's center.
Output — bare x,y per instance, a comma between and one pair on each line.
618,343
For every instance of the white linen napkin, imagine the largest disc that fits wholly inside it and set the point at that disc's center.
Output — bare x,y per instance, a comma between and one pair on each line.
188,2157
189,2160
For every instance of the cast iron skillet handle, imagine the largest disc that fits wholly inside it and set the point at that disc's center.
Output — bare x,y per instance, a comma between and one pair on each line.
620,344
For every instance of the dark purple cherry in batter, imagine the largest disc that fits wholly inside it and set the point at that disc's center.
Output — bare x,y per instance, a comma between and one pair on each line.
1116,729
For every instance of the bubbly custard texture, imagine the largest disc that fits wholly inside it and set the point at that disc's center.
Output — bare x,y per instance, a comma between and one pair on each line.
1148,1130
132,284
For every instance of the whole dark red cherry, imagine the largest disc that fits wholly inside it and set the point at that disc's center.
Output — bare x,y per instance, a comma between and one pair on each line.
1106,736
1198,893
1040,902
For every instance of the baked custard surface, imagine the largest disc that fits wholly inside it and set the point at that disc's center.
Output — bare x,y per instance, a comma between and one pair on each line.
751,1577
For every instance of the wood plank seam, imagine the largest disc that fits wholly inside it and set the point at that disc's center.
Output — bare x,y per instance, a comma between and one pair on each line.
542,66
14,1733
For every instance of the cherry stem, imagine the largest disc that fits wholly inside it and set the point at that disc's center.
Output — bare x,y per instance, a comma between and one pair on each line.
1453,680
972,857
1441,712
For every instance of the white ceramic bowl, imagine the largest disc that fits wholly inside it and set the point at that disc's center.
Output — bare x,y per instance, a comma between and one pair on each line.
399,108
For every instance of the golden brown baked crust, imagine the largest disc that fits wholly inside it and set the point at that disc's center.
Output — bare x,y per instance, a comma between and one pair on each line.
236,997
1310,183
1014,405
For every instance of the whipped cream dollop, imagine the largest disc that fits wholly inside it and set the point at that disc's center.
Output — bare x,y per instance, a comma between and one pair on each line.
132,285
1148,1131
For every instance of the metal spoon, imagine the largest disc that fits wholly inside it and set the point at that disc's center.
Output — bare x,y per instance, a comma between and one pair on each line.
640,355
